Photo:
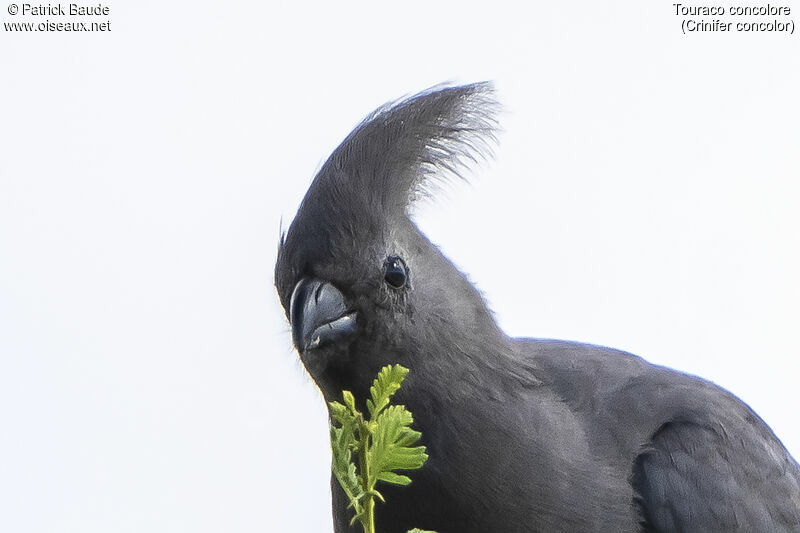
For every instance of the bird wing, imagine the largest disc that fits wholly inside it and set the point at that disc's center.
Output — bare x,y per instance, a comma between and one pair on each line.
701,459
703,477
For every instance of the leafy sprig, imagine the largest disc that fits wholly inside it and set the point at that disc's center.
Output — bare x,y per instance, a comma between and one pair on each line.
382,443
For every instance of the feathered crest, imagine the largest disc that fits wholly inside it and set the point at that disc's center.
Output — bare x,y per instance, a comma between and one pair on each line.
392,157
404,148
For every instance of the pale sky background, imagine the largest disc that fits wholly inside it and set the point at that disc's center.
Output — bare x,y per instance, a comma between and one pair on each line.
644,195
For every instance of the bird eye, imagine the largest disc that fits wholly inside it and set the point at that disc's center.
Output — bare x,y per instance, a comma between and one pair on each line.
395,272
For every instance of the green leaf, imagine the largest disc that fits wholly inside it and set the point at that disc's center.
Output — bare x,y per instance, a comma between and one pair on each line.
392,446
343,467
340,413
385,385
349,401
383,444
394,479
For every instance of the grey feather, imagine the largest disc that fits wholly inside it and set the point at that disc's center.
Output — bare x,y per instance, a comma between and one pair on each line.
524,435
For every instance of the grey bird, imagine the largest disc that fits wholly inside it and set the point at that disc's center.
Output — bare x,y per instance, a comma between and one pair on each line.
524,435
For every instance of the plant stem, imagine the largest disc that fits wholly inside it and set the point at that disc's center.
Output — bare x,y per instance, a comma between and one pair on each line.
368,517
369,510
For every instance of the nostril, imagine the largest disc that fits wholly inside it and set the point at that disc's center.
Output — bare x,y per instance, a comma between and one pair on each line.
318,292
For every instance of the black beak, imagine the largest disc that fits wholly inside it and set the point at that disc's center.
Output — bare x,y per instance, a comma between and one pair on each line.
318,314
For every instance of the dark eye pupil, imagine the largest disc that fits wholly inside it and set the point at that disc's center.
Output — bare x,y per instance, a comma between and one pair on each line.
395,272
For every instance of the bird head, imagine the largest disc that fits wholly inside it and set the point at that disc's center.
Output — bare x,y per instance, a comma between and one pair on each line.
361,286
